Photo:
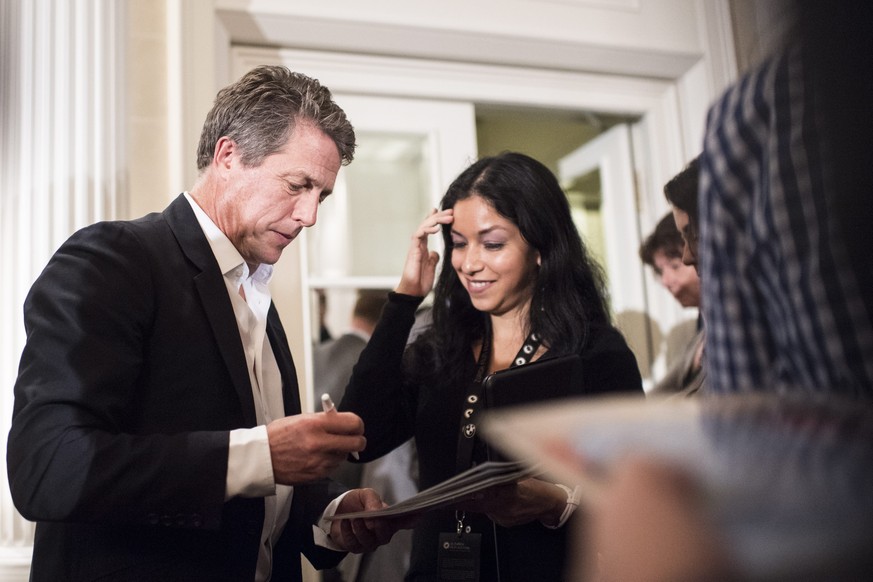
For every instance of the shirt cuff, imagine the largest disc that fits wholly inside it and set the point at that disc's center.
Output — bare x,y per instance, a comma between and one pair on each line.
574,496
249,464
321,532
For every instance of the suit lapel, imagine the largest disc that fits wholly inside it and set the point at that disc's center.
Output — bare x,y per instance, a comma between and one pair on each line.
210,286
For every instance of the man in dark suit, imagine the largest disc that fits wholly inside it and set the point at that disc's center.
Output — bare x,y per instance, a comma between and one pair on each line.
157,432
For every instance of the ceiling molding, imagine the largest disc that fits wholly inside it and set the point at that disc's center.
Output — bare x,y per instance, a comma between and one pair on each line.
286,30
405,77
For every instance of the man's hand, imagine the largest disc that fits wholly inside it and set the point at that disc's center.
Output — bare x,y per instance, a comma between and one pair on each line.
650,525
519,503
360,534
306,447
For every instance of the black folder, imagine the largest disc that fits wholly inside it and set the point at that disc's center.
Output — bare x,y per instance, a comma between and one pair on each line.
540,380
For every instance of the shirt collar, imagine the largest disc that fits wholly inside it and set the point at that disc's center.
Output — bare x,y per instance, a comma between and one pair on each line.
230,262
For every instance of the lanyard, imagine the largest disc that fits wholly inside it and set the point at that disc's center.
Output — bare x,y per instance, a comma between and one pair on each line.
467,435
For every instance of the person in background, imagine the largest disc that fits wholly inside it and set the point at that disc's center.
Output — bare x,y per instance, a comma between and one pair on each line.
323,331
662,251
517,285
395,475
785,186
681,192
157,432
333,360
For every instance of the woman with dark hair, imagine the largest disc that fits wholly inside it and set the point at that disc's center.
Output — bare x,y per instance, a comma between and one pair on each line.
517,285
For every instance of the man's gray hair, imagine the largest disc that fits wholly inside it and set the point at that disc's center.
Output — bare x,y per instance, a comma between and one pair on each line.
260,111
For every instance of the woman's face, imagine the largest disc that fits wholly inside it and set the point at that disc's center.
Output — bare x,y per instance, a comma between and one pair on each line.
494,263
680,279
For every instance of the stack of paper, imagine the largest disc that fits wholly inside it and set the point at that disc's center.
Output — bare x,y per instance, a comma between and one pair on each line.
452,491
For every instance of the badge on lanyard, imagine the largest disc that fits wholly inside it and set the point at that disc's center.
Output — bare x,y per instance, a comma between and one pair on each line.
459,553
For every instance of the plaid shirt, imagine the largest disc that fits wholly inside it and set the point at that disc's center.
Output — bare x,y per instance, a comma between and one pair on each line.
782,306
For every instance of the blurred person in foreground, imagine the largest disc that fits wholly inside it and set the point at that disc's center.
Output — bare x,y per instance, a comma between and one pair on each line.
785,188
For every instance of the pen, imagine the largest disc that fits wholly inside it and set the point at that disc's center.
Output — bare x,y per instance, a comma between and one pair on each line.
328,406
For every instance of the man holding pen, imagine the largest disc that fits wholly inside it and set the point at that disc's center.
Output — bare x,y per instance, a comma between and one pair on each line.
157,432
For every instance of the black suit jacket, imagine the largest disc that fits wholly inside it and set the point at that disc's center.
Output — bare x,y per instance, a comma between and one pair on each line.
131,379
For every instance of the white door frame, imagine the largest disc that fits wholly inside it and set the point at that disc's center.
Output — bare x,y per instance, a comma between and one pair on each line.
611,154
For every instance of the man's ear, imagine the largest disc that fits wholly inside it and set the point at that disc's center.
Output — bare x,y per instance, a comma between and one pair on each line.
225,153
539,260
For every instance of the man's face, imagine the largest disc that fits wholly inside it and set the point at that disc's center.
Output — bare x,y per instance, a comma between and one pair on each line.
263,208
689,233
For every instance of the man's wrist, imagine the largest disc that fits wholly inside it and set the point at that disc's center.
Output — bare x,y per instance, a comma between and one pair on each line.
321,531
572,503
